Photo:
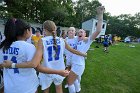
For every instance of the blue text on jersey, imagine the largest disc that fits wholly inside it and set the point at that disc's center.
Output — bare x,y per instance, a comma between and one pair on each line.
11,50
79,43
50,42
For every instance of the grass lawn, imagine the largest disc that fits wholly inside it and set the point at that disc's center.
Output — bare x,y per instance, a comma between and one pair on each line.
115,72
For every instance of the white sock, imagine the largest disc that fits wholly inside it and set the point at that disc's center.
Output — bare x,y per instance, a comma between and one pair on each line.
79,79
77,85
71,88
66,86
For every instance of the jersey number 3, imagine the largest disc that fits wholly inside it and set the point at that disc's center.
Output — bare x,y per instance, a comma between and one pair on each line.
13,59
50,52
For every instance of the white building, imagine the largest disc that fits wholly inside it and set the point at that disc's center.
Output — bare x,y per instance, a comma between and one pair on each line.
33,25
90,26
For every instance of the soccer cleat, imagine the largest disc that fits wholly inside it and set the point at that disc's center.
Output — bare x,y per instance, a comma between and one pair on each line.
78,92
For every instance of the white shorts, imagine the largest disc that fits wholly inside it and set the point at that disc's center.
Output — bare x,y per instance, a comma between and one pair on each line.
78,69
47,79
68,60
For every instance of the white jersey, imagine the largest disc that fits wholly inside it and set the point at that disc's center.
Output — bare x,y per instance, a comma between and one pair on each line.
19,80
29,40
51,59
83,47
72,42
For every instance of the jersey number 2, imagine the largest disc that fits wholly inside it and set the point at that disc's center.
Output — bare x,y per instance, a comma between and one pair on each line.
13,59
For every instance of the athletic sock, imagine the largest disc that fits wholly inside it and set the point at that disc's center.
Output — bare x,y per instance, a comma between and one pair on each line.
77,85
71,88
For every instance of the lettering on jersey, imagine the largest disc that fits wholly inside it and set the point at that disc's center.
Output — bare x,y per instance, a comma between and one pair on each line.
11,50
79,43
73,46
51,50
50,42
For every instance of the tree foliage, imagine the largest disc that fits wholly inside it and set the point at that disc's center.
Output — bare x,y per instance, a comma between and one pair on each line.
69,13
124,25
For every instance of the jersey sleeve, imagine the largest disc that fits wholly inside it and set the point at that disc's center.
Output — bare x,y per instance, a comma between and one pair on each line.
87,45
89,40
63,44
30,51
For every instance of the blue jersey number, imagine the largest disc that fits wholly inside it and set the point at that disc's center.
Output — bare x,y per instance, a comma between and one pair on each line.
13,59
50,53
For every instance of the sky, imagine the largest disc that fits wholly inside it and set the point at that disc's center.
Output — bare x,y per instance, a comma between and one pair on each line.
117,7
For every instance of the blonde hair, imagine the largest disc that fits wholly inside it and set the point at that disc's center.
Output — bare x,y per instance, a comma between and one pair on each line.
71,28
81,30
51,27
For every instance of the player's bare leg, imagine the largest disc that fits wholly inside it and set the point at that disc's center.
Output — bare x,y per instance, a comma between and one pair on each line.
59,88
46,90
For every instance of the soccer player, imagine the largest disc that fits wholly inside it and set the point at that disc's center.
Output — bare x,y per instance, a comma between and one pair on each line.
83,44
52,49
106,43
35,38
14,48
71,40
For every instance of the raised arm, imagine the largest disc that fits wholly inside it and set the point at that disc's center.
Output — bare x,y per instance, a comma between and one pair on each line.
100,11
74,51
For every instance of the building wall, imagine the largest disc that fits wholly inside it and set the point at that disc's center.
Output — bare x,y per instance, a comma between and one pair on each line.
34,27
87,25
90,26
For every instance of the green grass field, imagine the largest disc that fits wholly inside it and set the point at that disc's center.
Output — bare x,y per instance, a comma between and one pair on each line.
115,72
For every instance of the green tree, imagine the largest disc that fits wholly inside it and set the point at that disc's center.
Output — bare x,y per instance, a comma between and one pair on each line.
85,10
124,25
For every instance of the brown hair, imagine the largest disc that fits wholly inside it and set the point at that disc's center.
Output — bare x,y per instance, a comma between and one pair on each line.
51,27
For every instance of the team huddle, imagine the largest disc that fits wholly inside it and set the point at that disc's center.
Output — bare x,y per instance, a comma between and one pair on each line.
20,61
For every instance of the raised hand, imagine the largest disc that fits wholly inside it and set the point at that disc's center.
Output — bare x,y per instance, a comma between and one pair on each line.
100,10
64,73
